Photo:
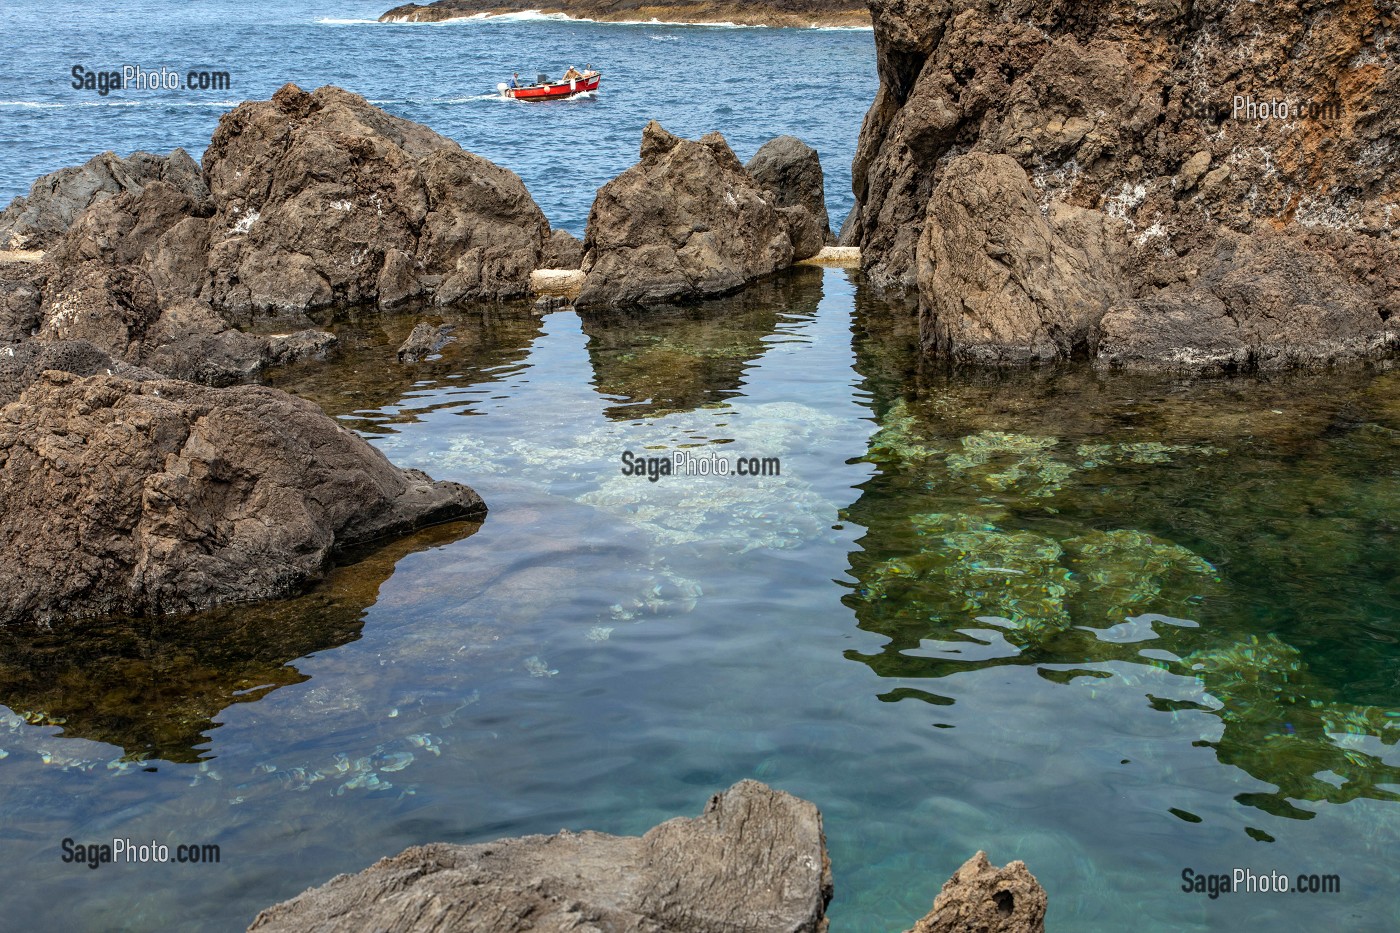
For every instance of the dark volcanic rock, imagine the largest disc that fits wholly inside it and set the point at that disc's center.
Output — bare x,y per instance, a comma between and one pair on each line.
1122,123
156,496
981,898
57,199
563,251
425,340
686,222
754,862
792,170
1003,283
116,309
322,198
21,365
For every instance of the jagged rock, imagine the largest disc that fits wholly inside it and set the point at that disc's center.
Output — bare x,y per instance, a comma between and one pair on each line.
754,862
55,200
1096,113
686,222
21,300
792,170
563,251
116,309
20,365
423,341
143,497
981,898
323,198
1004,283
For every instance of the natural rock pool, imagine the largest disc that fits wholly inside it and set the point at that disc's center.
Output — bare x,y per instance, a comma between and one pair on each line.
1114,626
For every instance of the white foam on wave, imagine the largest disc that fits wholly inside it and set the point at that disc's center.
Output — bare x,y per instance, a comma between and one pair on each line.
539,16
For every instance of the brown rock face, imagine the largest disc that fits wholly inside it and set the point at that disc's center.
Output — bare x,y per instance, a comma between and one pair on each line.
1165,148
981,898
686,222
753,862
58,198
792,170
134,497
322,197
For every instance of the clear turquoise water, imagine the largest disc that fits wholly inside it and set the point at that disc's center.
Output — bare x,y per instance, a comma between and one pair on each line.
1114,626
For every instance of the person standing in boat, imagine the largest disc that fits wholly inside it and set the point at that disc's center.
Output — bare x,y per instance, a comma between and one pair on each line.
573,74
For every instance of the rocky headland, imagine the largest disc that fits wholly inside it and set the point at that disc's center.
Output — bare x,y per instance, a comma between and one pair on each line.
1174,186
838,13
754,861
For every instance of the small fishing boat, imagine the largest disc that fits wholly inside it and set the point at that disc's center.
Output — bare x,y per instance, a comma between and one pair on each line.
545,89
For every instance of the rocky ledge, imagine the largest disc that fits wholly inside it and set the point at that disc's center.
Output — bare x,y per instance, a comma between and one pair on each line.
843,13
1204,188
754,861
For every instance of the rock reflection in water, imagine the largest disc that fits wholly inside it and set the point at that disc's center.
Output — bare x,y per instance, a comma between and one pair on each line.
154,687
1178,537
658,362
366,374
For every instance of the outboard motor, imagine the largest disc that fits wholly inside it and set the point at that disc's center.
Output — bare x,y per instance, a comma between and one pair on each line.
502,88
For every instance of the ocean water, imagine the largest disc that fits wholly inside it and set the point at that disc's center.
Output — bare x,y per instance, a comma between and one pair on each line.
1116,626
749,84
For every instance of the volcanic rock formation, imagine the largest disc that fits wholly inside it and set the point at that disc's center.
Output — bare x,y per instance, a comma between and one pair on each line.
134,494
981,898
792,170
686,222
1197,187
55,200
754,862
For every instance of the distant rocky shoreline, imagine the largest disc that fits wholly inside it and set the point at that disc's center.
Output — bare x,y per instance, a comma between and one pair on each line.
792,13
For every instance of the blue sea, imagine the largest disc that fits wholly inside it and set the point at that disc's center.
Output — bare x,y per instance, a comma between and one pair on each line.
1132,630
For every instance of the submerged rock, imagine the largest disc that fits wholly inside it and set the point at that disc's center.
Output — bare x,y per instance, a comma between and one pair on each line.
686,222
755,861
55,200
981,898
425,340
1106,186
148,495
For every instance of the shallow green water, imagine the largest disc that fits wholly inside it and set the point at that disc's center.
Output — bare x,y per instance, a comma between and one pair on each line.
1114,626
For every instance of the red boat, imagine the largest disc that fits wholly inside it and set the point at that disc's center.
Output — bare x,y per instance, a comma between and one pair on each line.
544,89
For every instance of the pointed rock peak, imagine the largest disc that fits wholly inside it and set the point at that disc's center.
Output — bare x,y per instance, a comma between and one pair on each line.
656,141
717,144
292,99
